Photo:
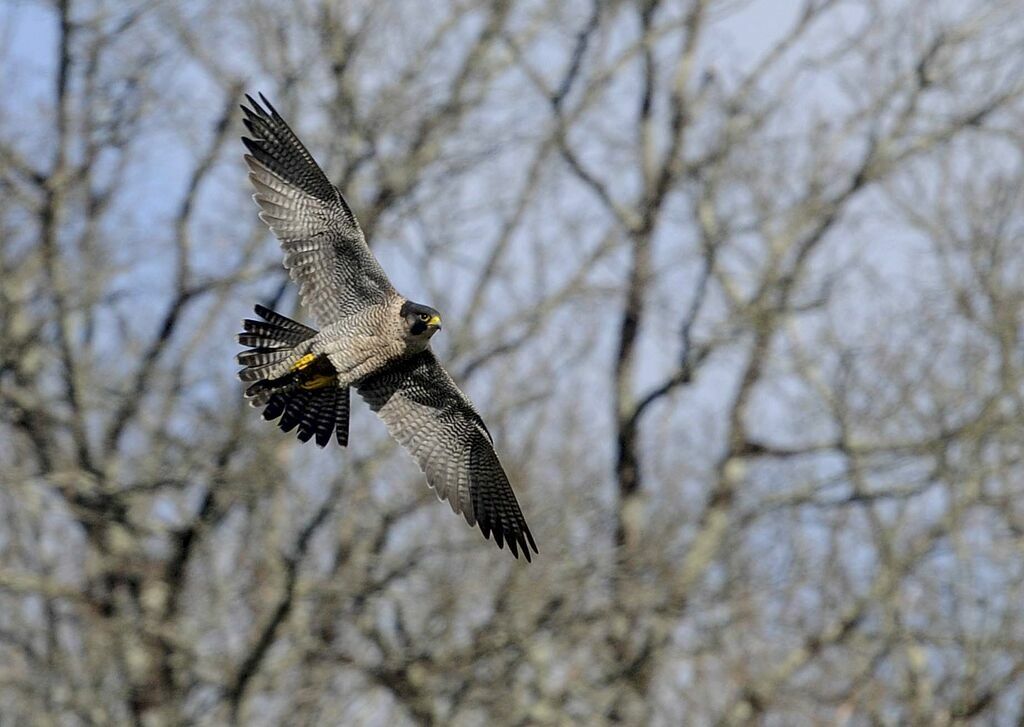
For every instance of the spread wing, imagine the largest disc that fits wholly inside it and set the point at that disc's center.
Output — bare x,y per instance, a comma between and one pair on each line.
325,251
427,413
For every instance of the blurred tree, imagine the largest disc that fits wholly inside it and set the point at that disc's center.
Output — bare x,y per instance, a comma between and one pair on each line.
740,286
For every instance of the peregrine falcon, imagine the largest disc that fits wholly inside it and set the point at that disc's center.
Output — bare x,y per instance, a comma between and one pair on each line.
371,339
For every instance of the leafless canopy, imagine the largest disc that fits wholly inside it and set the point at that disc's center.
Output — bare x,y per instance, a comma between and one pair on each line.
738,286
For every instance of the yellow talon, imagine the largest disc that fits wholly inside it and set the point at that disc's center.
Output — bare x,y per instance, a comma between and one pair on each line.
303,362
318,382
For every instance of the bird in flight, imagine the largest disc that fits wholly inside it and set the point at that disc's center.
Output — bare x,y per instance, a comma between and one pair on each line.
371,339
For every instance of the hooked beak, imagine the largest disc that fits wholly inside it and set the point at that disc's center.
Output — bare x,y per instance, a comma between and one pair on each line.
434,322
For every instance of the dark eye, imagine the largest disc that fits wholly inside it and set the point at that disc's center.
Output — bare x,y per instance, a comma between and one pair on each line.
424,317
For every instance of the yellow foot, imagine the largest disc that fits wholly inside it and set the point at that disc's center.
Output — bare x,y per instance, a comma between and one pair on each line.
318,382
303,362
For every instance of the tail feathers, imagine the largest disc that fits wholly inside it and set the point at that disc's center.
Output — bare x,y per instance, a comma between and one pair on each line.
272,342
264,356
274,331
281,324
275,347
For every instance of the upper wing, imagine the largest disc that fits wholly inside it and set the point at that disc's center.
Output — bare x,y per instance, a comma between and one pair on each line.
429,415
325,251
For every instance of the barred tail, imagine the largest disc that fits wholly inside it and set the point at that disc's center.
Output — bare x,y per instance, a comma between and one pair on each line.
289,382
275,346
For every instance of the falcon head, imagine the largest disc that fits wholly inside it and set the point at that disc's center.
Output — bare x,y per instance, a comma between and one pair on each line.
421,321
